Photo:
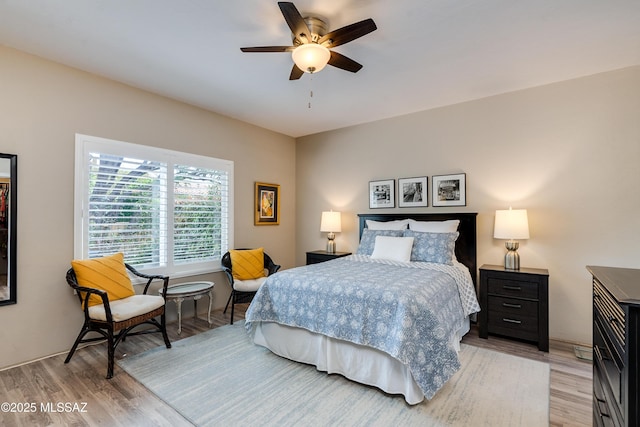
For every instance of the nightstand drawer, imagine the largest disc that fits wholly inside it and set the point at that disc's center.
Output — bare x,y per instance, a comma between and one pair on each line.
525,328
512,307
512,288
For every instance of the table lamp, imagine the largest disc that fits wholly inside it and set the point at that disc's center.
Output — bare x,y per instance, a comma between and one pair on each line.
511,224
331,224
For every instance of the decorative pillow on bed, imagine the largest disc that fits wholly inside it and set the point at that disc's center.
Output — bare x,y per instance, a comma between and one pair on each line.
368,240
449,226
400,224
393,248
247,264
433,247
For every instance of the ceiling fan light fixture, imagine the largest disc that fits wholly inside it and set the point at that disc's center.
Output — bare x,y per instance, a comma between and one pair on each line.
311,57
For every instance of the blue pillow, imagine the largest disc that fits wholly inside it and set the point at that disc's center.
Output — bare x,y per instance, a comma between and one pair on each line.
433,247
368,239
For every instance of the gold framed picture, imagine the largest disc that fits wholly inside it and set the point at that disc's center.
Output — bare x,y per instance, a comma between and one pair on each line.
267,204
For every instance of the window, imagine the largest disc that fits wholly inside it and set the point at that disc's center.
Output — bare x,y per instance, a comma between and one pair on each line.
168,212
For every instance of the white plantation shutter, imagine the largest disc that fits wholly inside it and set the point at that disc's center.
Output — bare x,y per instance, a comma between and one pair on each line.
200,212
168,212
127,207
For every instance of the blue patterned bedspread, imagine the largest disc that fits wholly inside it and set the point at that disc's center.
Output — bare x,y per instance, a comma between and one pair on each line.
408,310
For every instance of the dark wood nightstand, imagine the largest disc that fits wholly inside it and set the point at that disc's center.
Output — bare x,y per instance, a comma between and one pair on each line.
315,257
515,303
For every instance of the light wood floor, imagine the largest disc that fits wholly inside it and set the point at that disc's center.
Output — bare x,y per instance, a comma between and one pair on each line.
571,387
121,401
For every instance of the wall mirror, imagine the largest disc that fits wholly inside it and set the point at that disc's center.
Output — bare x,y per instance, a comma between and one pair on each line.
8,217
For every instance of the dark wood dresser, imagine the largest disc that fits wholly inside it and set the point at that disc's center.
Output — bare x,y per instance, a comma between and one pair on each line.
515,303
616,346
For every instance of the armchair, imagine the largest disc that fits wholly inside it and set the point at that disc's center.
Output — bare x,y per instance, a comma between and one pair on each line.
243,291
112,317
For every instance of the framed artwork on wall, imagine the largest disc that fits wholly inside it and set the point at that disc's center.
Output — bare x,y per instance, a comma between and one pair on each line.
382,194
412,192
449,190
267,204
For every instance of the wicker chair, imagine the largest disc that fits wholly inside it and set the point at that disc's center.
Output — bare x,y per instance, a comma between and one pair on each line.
118,316
243,291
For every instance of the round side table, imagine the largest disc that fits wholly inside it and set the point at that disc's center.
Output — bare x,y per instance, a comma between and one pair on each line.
179,292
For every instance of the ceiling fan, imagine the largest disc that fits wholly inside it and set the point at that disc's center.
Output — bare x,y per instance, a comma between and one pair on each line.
312,43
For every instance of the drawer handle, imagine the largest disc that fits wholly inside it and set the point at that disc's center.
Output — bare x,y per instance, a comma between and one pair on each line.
512,288
506,304
601,354
512,321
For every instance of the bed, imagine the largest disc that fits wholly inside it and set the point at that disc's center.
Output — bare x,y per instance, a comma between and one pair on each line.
390,316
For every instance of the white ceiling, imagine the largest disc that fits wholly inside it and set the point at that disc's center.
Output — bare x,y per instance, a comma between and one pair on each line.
425,53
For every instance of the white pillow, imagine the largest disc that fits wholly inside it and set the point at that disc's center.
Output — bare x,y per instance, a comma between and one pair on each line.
400,224
450,226
393,248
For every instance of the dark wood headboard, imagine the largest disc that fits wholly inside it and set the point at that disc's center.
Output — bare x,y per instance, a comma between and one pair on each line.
465,245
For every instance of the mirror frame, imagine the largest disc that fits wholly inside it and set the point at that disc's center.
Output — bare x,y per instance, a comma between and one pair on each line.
12,228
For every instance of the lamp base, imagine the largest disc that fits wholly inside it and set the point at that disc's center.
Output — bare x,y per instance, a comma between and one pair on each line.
511,258
331,244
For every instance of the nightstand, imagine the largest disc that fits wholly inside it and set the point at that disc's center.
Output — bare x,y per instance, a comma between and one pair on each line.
315,257
515,303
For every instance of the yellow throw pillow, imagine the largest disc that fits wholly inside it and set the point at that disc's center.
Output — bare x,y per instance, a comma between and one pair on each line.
247,264
107,273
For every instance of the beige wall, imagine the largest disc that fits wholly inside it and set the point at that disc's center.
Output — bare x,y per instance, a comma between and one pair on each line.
568,152
42,106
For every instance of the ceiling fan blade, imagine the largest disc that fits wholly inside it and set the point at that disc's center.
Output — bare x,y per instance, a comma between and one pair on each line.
341,61
296,73
346,34
295,21
268,49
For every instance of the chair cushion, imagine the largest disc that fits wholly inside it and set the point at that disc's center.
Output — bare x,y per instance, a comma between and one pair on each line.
107,273
247,264
126,308
250,285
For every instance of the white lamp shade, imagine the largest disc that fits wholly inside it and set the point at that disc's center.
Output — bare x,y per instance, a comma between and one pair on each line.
331,222
311,57
511,224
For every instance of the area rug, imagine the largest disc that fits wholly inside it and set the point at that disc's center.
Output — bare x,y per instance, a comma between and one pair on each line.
220,378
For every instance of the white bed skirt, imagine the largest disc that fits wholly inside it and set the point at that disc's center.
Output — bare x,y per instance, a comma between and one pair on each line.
359,363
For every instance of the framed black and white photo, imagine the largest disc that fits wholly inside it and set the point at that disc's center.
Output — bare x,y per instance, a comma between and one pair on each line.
382,194
412,192
449,190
